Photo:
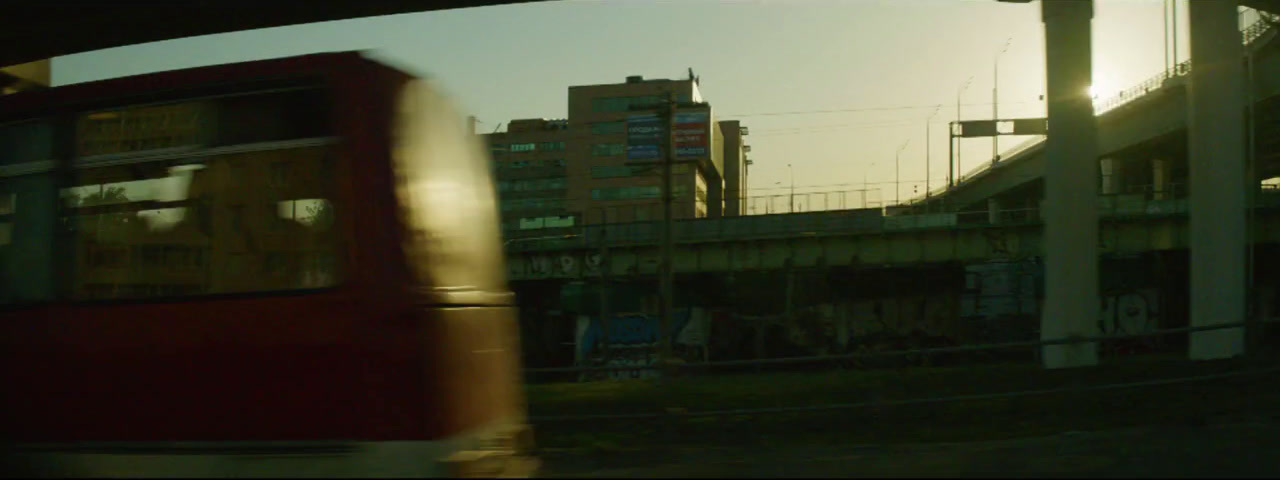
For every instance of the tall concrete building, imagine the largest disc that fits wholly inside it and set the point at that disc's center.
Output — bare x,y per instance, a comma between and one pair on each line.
531,168
736,166
589,169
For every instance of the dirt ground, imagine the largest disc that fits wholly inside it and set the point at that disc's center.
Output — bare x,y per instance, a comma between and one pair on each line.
1241,447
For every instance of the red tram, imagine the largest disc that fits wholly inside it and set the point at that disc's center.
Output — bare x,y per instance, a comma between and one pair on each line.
289,267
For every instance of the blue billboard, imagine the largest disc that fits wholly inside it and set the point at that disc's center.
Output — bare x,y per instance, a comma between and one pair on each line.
644,137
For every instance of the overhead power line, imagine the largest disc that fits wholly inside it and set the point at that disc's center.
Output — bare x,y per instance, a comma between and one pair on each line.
860,109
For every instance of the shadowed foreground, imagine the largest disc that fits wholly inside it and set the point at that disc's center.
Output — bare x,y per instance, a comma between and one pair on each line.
1229,448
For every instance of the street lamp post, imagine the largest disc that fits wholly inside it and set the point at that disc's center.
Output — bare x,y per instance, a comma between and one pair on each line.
959,93
897,170
995,100
791,173
927,162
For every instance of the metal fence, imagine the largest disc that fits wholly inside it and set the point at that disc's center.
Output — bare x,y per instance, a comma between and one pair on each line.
1255,368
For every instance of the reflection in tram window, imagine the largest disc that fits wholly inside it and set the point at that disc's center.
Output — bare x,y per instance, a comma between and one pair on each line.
222,224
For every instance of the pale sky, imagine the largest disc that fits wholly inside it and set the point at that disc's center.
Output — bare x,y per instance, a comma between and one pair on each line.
866,59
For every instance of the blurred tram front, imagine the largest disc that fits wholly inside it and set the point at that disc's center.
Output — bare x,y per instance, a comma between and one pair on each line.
289,267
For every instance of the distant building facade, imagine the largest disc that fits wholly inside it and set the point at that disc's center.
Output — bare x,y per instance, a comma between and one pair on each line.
588,169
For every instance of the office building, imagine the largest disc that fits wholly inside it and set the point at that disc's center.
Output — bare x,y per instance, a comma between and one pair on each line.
531,171
736,165
591,168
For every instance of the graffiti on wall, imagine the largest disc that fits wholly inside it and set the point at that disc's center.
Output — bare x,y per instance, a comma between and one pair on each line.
1128,312
633,340
560,265
1000,299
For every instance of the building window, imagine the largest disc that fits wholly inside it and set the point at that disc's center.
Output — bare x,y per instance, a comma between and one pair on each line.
607,128
558,221
608,149
173,227
533,184
621,171
638,192
616,171
549,163
626,193
26,142
523,147
623,104
608,104
551,146
533,204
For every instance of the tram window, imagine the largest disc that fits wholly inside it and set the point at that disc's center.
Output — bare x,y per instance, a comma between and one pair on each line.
135,129
27,206
167,228
25,142
272,117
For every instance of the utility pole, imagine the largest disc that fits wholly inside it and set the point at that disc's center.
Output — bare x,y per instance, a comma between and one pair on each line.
791,173
897,169
865,187
604,293
665,286
1165,10
1173,31
1252,330
951,155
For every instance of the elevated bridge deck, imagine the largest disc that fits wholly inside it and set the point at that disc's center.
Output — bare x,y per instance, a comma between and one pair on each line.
1139,118
1130,224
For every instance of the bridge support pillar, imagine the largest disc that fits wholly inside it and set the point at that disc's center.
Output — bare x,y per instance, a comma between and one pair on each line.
1217,159
1160,179
1071,186
1108,167
993,210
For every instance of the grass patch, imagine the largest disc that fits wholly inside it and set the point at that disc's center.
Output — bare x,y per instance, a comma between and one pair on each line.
986,419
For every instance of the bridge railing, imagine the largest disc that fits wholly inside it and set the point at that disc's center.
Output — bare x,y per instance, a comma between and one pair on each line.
1134,201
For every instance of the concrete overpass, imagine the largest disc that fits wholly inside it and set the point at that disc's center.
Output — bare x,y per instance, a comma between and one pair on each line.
31,32
852,238
1147,122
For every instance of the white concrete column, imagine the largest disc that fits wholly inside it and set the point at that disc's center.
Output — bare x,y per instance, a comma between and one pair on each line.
1071,186
1160,179
1217,159
1108,167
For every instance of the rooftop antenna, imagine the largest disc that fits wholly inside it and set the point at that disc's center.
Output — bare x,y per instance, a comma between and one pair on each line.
496,127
